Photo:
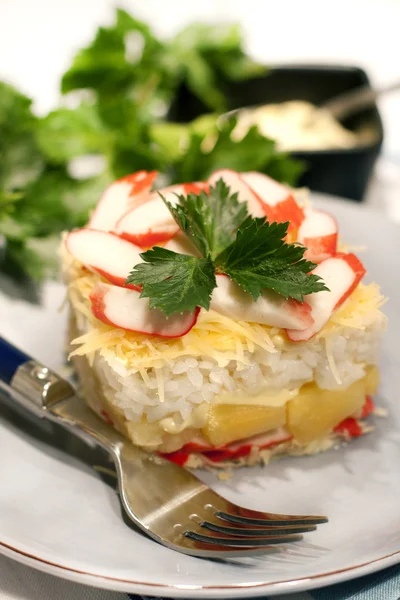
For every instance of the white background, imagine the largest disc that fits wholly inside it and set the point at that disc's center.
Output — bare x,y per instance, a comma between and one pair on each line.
38,37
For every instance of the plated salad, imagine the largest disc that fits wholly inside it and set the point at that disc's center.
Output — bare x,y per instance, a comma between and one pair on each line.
218,322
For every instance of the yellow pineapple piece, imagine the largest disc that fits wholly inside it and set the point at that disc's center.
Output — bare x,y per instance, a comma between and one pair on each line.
229,423
371,380
315,412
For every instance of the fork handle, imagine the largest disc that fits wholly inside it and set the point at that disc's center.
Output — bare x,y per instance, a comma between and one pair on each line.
42,392
10,359
38,386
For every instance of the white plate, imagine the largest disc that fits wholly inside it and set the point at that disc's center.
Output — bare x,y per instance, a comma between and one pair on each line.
56,514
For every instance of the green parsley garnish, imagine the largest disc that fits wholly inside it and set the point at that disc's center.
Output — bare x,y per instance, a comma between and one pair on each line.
260,259
174,282
250,251
210,220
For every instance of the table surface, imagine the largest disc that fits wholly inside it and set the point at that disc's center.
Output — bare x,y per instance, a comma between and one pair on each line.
38,39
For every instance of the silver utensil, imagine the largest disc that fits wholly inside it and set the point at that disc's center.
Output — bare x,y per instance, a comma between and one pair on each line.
340,107
350,102
164,500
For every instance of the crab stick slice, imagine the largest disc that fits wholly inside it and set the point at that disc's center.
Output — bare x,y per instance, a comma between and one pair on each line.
237,184
279,204
231,451
341,274
182,245
104,253
151,223
244,447
269,309
196,187
319,233
119,197
171,192
123,308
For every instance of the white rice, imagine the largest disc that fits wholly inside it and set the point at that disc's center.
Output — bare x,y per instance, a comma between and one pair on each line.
182,385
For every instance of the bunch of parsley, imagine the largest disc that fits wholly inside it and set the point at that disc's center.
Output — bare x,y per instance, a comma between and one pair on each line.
119,91
251,251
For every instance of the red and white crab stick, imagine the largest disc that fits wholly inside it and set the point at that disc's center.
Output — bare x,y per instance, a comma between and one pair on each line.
119,197
125,309
237,185
269,309
104,253
341,274
319,233
278,203
151,223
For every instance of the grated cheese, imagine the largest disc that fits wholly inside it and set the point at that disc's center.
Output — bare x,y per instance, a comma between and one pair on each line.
331,360
215,336
358,311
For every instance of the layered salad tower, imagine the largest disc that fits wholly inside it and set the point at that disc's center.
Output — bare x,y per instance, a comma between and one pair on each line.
218,323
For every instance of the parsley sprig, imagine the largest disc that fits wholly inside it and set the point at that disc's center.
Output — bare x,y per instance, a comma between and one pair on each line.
211,219
252,252
174,282
260,259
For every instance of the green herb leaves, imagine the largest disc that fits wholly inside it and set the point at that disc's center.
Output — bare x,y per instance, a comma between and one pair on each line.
128,60
260,259
208,145
250,251
211,219
126,83
174,282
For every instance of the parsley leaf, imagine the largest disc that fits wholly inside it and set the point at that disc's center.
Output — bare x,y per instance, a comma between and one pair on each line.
210,219
174,282
260,259
20,159
65,134
208,56
209,146
250,251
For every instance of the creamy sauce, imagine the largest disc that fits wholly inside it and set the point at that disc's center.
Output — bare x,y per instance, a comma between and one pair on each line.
152,435
265,398
197,420
299,125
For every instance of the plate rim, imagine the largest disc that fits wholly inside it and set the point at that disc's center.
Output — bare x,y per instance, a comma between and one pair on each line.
256,588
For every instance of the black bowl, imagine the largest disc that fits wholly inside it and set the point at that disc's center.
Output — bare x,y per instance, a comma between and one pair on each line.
339,172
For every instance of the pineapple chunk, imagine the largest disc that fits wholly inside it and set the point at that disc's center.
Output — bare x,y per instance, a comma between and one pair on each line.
371,380
315,412
228,422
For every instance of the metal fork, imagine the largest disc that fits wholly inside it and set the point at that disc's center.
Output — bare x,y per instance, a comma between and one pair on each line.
164,500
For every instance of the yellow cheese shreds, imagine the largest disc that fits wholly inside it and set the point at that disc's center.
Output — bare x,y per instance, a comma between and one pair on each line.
160,384
331,360
344,247
359,310
214,336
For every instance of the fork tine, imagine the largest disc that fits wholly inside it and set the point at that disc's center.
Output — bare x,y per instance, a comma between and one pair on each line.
259,531
241,541
244,516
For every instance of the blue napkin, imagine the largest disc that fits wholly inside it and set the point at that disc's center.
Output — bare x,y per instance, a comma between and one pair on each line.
384,585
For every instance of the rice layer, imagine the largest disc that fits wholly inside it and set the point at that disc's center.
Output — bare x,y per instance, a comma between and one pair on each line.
158,392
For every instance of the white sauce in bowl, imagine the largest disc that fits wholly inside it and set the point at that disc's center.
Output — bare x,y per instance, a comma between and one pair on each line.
299,125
